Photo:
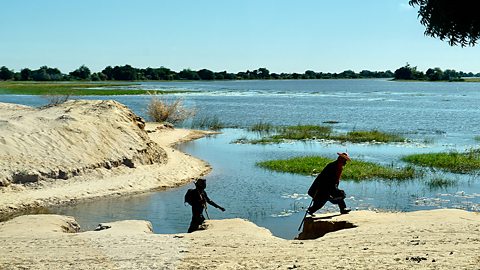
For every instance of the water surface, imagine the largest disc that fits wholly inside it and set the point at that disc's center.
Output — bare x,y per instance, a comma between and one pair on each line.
434,116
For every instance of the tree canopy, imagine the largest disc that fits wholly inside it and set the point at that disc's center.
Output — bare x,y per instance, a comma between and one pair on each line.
457,22
129,73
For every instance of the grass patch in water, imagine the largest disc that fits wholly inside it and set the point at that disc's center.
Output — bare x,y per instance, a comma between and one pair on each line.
302,132
369,136
262,127
453,161
312,132
71,89
207,122
439,183
354,170
477,138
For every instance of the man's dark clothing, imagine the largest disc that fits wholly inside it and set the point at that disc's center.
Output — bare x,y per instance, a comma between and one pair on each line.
199,202
325,188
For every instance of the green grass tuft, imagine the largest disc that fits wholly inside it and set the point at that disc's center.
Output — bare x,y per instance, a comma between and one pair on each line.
369,136
207,122
302,132
312,132
355,170
439,183
262,127
453,161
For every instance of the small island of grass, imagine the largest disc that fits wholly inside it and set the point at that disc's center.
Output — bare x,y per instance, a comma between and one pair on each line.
314,132
453,161
355,170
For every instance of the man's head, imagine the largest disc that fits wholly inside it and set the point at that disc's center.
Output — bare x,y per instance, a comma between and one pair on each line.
201,183
343,158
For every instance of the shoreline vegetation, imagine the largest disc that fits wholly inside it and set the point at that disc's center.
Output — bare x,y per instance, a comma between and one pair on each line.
278,134
76,89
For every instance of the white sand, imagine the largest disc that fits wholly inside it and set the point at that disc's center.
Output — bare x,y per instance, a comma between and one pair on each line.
438,239
101,149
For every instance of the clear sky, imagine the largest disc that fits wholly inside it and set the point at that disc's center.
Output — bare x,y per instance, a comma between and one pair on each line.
232,35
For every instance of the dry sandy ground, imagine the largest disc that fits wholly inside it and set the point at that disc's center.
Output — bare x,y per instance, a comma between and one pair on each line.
438,239
89,149
83,150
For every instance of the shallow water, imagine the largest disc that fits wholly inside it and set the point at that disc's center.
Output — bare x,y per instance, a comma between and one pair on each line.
275,200
435,116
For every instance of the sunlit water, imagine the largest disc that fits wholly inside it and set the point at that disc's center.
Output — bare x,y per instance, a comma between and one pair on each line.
435,116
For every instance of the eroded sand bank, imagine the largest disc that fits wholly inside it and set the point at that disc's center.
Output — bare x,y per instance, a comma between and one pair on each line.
83,150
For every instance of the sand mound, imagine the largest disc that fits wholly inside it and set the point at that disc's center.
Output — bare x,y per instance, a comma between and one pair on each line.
70,139
83,150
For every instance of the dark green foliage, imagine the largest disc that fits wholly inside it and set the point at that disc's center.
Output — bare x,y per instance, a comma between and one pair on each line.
435,74
205,74
129,73
25,74
44,73
432,74
455,21
6,74
354,170
408,73
82,73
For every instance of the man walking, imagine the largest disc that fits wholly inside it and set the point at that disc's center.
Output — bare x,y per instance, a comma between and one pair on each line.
198,199
325,186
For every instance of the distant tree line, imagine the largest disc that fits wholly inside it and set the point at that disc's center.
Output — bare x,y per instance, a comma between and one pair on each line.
408,72
129,73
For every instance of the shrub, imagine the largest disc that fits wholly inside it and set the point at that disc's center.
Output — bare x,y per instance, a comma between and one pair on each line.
163,110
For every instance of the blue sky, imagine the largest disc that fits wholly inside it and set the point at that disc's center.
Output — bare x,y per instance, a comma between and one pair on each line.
233,35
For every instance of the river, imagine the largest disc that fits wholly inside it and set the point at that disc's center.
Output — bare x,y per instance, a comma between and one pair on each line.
434,116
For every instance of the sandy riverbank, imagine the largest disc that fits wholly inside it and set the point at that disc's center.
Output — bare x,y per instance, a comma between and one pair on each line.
88,149
437,239
83,150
